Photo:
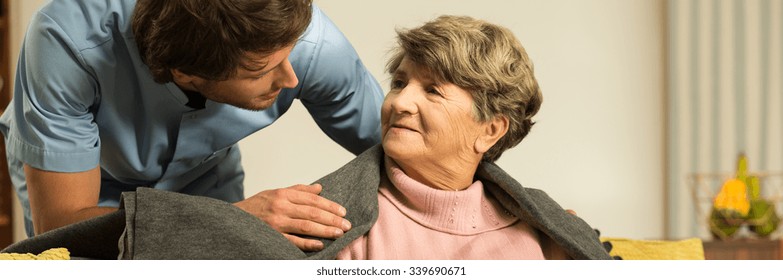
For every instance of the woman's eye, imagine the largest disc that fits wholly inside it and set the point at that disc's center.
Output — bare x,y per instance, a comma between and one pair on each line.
432,90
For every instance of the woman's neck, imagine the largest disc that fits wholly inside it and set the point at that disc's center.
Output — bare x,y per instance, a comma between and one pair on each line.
455,175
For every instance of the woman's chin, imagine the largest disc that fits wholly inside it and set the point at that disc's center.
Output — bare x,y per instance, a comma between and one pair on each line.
399,151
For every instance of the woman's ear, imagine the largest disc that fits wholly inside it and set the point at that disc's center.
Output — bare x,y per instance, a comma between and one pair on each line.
493,131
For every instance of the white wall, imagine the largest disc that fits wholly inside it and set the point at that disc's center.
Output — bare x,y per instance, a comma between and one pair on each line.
598,146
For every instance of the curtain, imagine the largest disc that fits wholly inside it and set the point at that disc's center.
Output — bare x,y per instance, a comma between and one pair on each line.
725,97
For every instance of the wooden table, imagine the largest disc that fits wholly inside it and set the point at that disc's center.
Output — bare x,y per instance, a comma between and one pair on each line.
744,249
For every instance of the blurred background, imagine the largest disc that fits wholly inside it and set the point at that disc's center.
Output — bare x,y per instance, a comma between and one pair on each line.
638,96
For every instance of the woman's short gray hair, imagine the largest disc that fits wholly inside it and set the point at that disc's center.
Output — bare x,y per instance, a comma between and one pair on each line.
483,58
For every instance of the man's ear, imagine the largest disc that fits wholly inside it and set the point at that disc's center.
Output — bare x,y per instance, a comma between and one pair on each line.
182,79
493,131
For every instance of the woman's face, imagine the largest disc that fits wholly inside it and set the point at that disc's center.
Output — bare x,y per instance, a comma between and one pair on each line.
424,120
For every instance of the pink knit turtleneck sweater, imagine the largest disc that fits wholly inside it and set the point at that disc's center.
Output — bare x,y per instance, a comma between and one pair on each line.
416,221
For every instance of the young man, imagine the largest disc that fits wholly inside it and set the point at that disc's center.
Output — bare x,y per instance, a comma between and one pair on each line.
115,95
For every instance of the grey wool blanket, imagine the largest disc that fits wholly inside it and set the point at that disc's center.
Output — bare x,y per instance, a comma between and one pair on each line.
155,224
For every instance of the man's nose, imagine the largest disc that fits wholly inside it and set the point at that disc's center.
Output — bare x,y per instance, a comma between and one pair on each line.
287,78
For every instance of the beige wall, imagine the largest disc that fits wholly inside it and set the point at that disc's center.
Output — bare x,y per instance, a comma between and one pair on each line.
598,145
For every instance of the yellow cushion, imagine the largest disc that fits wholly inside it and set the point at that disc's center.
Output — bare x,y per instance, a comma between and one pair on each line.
51,254
633,249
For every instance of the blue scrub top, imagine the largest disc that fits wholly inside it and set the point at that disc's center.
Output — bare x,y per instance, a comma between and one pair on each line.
83,97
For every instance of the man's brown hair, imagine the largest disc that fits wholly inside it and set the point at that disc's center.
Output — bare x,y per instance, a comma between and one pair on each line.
211,38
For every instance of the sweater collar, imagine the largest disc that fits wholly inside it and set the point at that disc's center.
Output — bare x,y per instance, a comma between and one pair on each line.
467,212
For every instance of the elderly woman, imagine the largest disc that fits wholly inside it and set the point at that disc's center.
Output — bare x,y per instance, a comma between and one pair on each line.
462,93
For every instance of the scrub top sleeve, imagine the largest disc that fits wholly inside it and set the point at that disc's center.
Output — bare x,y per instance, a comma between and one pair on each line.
53,125
341,95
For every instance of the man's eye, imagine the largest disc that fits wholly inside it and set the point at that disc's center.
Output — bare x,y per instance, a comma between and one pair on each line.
397,84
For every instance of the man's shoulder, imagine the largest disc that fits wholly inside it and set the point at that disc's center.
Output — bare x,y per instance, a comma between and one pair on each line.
322,30
87,23
314,32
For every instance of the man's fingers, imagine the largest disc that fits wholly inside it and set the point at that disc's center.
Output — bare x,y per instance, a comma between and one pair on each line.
319,216
305,244
307,195
307,227
314,188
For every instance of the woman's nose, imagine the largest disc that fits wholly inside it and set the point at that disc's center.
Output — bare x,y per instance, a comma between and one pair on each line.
404,100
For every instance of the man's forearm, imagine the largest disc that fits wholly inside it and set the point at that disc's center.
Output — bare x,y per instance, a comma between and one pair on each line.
55,221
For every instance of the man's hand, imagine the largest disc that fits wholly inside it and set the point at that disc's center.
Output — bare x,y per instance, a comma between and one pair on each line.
298,210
